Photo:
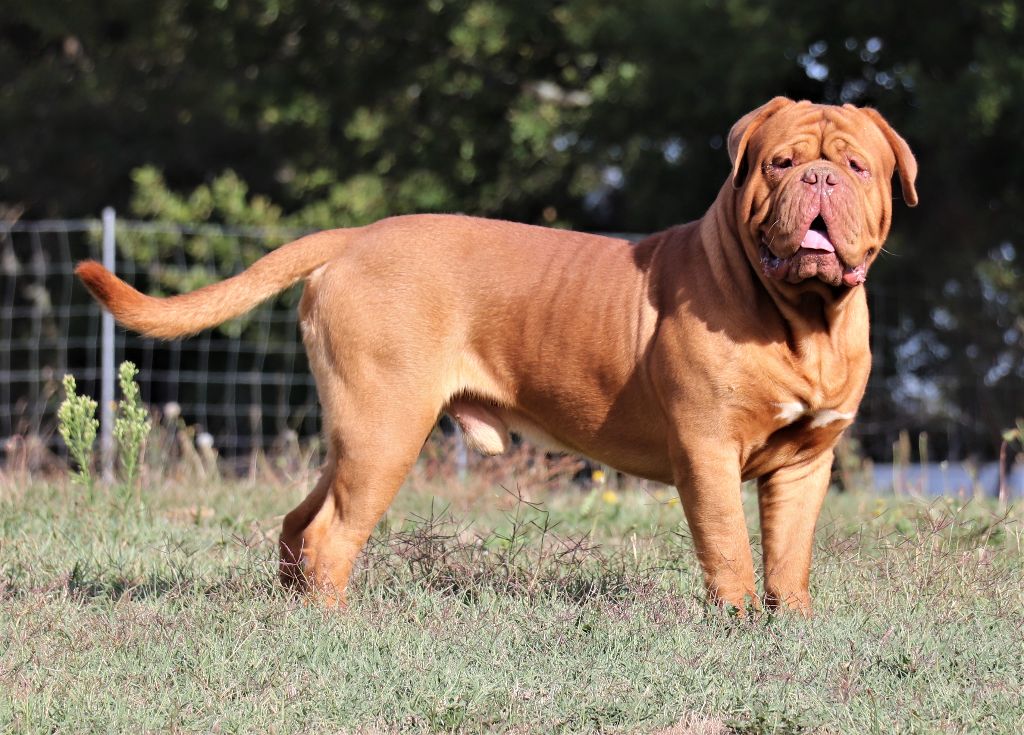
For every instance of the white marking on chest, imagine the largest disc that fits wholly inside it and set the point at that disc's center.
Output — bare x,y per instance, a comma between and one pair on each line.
790,411
826,416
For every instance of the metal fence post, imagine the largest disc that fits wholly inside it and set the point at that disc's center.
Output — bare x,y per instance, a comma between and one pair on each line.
107,361
461,454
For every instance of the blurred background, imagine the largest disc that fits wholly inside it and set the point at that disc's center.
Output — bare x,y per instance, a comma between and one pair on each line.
218,129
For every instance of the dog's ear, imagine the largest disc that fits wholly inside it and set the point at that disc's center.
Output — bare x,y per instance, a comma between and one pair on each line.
740,134
906,164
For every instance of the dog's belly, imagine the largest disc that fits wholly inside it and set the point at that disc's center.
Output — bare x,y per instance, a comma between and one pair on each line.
638,448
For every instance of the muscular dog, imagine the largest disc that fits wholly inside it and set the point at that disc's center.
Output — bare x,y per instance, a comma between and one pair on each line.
730,348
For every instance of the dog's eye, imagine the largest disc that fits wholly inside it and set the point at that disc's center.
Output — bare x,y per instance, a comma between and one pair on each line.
856,167
782,163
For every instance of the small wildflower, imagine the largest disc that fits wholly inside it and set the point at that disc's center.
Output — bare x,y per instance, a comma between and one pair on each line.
610,497
204,440
172,410
598,477
132,425
77,425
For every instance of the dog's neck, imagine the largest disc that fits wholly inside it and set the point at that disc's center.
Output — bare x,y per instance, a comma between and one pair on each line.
807,312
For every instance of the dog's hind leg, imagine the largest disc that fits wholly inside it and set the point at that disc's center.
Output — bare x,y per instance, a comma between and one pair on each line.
381,360
377,415
371,460
291,542
324,534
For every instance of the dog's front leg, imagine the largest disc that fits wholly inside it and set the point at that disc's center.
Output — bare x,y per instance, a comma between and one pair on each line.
708,482
790,500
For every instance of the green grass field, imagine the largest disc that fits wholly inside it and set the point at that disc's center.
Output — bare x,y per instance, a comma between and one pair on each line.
475,611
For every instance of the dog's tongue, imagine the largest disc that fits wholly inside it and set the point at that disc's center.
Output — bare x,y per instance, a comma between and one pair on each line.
815,240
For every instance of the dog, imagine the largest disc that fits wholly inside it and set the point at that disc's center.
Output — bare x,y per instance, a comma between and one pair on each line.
727,349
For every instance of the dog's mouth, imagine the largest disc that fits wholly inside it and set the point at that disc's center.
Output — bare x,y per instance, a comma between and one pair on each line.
815,258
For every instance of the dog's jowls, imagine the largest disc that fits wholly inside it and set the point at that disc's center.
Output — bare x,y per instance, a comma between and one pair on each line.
730,348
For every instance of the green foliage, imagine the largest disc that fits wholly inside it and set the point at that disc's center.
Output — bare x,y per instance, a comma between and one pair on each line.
1015,436
131,426
305,114
77,424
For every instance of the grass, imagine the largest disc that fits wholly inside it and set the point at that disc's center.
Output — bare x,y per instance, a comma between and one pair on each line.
475,610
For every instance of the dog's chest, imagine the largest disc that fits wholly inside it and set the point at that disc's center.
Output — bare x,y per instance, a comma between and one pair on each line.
792,431
790,412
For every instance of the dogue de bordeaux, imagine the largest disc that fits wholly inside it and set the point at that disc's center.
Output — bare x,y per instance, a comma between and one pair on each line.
722,350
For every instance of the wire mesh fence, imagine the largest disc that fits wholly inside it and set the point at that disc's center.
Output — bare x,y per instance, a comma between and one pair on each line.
247,383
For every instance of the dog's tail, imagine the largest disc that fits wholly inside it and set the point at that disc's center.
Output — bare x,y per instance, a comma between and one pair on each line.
180,316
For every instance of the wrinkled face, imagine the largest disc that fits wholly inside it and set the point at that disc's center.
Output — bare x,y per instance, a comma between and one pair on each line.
816,182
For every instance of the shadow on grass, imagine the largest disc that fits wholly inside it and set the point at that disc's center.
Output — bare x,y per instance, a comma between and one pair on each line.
86,583
526,558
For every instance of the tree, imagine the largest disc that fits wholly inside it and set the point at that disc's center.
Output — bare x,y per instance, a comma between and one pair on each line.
596,115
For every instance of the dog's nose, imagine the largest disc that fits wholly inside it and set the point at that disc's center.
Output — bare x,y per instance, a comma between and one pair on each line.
816,174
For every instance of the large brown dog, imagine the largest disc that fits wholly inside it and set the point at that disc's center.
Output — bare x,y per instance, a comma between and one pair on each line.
727,349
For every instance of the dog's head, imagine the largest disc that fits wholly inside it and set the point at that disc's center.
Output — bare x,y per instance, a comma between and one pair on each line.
814,189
